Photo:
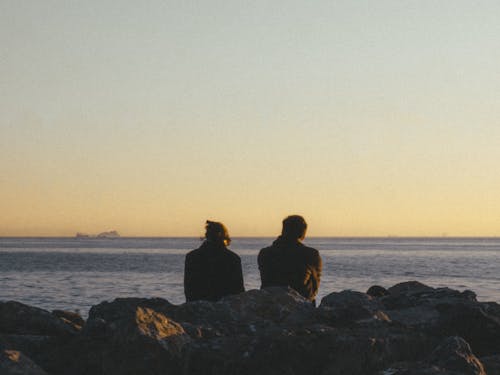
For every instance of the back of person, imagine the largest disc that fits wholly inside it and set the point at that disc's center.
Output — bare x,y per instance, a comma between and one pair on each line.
212,271
287,262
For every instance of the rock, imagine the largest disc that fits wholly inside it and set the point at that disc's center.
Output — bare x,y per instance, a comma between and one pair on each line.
348,306
409,287
414,293
18,318
13,362
271,331
274,304
445,312
491,364
246,312
74,319
123,307
455,354
132,338
31,345
452,357
313,350
377,291
419,317
470,321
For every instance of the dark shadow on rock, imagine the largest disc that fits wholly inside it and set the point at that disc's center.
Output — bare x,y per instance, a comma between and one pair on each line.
13,362
377,291
18,318
491,364
452,357
69,317
348,307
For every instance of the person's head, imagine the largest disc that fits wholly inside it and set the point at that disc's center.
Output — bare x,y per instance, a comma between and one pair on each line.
217,232
294,227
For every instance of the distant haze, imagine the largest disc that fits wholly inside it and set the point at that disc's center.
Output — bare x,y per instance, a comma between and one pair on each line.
370,118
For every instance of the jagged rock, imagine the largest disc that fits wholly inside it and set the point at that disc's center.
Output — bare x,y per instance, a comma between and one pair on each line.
377,291
123,307
472,322
455,354
69,317
313,350
349,306
409,287
445,312
491,364
414,293
32,345
250,311
13,362
128,336
18,318
452,357
275,304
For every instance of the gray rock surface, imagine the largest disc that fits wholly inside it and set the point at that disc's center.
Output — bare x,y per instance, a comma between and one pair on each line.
491,364
13,362
18,318
452,357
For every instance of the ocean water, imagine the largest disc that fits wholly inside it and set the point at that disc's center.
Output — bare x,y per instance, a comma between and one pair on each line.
75,273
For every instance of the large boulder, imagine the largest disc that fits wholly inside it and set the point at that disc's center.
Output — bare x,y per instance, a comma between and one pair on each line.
445,312
247,312
452,357
128,336
455,354
413,293
40,349
472,321
377,291
317,349
72,318
13,362
350,307
21,319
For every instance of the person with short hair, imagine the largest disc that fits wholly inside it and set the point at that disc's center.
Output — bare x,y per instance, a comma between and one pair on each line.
288,262
212,271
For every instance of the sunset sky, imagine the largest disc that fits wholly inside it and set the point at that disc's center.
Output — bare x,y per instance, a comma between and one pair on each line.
370,118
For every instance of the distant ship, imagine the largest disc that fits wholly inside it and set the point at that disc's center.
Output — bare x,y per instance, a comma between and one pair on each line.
109,234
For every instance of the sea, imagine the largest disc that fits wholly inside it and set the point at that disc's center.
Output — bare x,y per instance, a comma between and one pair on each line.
76,273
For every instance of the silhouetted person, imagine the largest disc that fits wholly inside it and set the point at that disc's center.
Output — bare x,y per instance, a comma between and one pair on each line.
212,271
287,262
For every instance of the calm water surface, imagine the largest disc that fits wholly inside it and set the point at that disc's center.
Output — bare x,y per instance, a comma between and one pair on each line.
74,274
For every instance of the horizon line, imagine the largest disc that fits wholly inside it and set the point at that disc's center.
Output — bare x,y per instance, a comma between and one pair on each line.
267,236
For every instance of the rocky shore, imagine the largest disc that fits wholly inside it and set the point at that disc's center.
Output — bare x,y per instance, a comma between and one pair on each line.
408,329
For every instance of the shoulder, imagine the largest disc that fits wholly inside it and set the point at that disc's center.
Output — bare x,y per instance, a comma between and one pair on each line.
232,255
310,251
265,251
194,253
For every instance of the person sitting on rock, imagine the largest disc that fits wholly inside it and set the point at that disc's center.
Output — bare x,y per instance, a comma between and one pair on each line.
288,262
212,271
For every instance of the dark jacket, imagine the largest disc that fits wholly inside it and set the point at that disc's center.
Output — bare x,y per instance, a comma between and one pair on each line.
290,263
211,272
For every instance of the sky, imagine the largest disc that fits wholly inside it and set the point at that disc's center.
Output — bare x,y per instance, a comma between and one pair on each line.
370,118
